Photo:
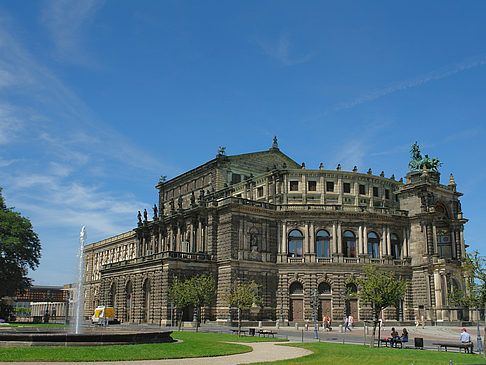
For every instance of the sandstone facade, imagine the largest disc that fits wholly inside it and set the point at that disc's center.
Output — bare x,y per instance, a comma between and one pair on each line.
294,231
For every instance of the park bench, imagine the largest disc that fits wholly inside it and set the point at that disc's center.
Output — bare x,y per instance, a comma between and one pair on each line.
266,333
468,347
242,331
393,343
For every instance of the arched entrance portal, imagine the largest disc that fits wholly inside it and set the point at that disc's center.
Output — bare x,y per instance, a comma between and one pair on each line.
146,301
296,312
129,301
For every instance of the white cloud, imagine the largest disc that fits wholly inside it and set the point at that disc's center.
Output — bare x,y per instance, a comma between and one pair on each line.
438,74
281,50
65,20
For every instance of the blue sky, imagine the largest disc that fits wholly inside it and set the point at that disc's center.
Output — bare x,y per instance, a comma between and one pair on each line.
100,98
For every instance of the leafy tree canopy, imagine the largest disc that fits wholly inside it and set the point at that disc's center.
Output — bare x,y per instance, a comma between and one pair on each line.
474,270
19,250
380,289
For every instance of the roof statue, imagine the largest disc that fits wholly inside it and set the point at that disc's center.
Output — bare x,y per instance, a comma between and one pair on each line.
422,163
222,151
275,143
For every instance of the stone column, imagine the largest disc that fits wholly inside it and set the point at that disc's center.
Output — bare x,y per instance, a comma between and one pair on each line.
388,241
405,244
199,236
360,240
285,189
322,190
365,239
334,239
339,240
383,243
303,179
434,238
461,236
284,238
312,239
306,238
266,193
191,238
340,189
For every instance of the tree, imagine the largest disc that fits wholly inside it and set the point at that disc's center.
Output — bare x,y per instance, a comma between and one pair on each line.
195,291
474,295
380,289
20,250
243,295
201,290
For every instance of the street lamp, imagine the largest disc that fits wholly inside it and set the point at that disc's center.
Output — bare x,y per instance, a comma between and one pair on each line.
480,342
315,306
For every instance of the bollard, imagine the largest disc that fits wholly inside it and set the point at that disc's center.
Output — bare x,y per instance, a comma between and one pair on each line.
340,328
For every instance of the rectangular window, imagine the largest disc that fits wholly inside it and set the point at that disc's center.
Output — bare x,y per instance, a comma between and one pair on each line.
375,191
329,186
362,190
235,178
260,191
294,186
312,185
347,187
387,194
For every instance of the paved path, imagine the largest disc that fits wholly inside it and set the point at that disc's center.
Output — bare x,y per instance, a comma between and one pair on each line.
262,351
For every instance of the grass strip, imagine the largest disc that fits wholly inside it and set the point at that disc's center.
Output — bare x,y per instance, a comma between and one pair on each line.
193,344
336,354
29,325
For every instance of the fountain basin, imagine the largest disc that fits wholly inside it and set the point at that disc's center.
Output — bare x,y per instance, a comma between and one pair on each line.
26,338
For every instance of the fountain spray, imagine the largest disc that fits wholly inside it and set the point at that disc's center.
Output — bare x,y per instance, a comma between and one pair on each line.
79,304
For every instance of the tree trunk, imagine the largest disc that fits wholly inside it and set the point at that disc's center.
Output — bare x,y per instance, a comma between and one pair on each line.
198,315
179,311
375,322
239,321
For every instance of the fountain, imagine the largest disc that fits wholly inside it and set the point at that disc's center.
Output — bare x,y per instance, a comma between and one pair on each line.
10,337
79,303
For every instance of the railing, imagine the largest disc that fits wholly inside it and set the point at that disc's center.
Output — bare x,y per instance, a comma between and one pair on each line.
351,260
295,260
193,256
377,261
324,260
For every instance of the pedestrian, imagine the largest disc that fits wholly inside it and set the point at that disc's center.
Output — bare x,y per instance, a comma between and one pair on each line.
423,321
346,324
351,321
417,322
466,338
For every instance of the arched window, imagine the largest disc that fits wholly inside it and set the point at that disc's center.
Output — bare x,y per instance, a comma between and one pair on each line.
322,244
351,288
396,247
296,288
444,242
349,244
324,288
373,245
296,239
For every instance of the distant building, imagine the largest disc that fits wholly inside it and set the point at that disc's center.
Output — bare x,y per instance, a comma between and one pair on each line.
294,231
37,299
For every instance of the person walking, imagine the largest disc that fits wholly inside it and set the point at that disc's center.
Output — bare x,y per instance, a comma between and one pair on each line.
346,324
351,321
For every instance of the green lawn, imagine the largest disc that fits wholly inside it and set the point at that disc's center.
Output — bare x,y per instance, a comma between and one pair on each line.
336,354
34,325
193,345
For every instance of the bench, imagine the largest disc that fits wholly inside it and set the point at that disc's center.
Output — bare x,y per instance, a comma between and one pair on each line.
266,333
468,347
242,332
393,343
